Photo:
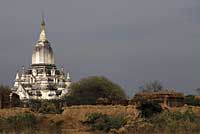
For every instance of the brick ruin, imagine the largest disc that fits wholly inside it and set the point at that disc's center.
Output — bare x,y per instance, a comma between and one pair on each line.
168,98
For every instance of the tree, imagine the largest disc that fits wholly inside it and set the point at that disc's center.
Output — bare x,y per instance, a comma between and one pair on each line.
152,86
89,90
4,96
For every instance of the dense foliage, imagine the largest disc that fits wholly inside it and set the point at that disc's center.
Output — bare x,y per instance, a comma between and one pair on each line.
165,122
190,100
46,106
91,89
103,122
149,108
4,96
29,123
175,121
18,122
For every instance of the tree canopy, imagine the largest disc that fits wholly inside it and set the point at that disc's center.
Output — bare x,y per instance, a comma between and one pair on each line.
4,90
89,90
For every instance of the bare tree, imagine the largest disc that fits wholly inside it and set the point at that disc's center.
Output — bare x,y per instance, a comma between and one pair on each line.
152,86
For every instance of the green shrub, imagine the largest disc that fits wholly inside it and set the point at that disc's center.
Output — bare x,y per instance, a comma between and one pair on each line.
103,122
176,122
34,104
28,123
50,107
149,108
166,122
22,120
55,126
190,100
18,123
46,106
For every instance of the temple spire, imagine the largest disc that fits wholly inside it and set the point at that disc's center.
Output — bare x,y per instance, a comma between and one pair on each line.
23,73
43,31
17,76
17,80
43,22
68,76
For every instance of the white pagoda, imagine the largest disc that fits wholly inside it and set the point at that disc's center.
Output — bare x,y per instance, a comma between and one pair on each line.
42,80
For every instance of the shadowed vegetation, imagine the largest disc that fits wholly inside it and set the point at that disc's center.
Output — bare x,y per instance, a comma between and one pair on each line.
191,100
29,123
4,96
149,109
103,122
165,122
46,106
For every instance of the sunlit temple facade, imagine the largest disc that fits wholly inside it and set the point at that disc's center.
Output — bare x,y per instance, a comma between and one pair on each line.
42,80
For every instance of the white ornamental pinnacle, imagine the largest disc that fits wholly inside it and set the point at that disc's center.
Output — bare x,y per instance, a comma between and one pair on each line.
17,76
68,76
23,73
43,36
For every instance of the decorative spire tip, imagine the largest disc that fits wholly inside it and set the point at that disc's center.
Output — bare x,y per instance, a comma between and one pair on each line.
43,22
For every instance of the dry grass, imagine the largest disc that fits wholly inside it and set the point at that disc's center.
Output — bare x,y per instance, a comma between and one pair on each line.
195,109
79,112
74,115
12,111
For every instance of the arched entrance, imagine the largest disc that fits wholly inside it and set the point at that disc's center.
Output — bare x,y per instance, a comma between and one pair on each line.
14,100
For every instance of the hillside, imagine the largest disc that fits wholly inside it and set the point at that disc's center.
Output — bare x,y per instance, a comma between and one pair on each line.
74,115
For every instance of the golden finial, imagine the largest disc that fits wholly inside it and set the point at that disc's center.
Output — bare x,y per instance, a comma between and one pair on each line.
43,22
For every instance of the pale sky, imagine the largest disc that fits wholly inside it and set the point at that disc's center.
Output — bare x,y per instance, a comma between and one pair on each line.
128,41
